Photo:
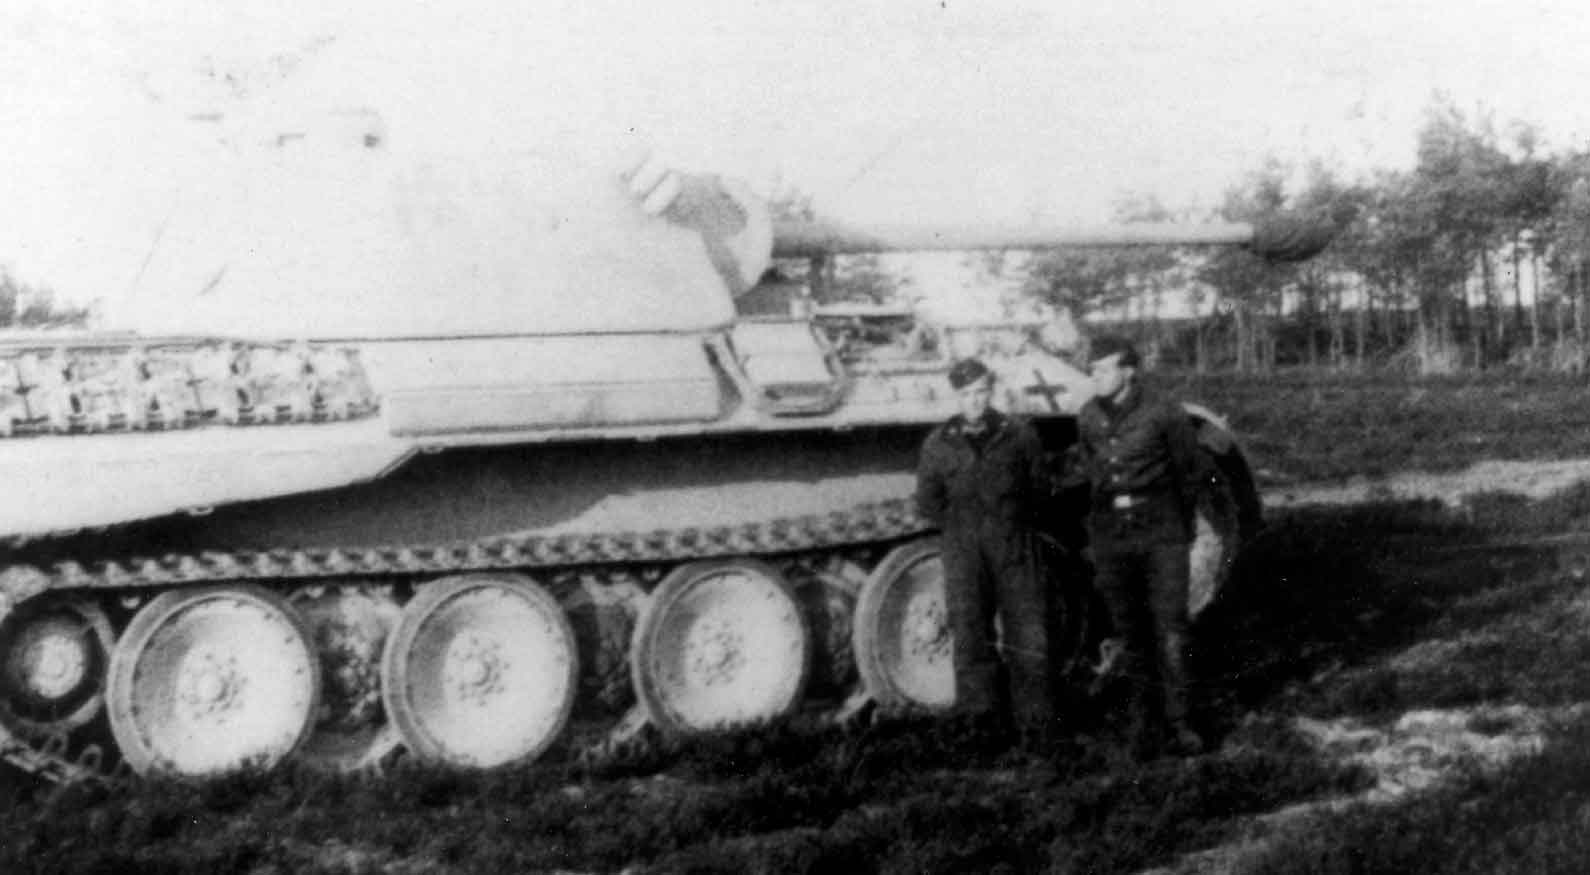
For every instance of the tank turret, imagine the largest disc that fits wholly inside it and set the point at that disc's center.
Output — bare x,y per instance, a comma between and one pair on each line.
460,457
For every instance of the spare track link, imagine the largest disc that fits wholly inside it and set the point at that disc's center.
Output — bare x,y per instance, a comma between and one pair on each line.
51,759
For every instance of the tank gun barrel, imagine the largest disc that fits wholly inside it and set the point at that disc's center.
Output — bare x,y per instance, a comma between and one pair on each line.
1284,239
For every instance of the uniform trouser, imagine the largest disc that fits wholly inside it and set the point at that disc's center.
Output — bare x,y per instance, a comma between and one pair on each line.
1144,586
995,571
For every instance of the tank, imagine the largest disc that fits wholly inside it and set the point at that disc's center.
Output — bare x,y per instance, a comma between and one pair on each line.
467,460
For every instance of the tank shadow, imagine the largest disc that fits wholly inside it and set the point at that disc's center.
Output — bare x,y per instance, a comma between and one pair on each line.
1324,589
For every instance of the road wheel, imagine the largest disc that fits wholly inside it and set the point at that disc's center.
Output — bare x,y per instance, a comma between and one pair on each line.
209,680
480,671
720,644
902,639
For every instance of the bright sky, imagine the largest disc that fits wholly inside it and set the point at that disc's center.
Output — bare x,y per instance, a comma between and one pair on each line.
993,110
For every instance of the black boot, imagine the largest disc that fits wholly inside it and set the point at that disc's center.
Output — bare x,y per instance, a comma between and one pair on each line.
1144,734
1185,741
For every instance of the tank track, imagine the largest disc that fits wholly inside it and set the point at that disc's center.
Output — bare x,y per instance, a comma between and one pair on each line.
570,558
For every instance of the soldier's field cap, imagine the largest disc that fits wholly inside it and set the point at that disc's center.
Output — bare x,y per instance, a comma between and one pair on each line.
966,372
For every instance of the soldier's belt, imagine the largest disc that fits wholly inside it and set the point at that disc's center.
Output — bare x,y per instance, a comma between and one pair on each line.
1123,502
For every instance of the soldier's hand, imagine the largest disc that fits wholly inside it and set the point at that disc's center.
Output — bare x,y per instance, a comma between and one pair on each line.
1072,473
1111,664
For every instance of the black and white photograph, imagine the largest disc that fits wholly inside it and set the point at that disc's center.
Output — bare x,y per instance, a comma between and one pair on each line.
884,436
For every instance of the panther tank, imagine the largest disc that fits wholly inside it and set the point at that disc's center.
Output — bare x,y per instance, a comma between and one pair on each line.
465,459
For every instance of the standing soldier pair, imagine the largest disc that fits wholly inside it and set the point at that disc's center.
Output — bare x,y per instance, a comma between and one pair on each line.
981,480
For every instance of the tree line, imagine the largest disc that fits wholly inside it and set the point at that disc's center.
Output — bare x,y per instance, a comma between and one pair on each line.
28,306
1476,257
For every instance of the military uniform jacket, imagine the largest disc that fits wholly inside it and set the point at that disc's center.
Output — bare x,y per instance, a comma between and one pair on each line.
965,484
1141,461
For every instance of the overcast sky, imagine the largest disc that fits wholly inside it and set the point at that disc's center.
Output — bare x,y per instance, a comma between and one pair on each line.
943,110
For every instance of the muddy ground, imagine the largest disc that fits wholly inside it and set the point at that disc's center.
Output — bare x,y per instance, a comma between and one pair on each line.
1380,641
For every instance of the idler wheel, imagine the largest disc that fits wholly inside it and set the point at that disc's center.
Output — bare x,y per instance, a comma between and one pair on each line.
480,671
209,680
350,626
720,644
1214,548
902,638
53,657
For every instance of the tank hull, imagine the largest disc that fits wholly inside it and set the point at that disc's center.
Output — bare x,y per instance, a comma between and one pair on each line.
592,535
682,530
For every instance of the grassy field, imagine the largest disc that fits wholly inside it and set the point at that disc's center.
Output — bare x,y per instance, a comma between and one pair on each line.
1306,427
1353,616
1502,630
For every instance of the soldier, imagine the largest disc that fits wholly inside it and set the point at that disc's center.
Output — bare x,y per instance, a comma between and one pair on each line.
1140,457
979,480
